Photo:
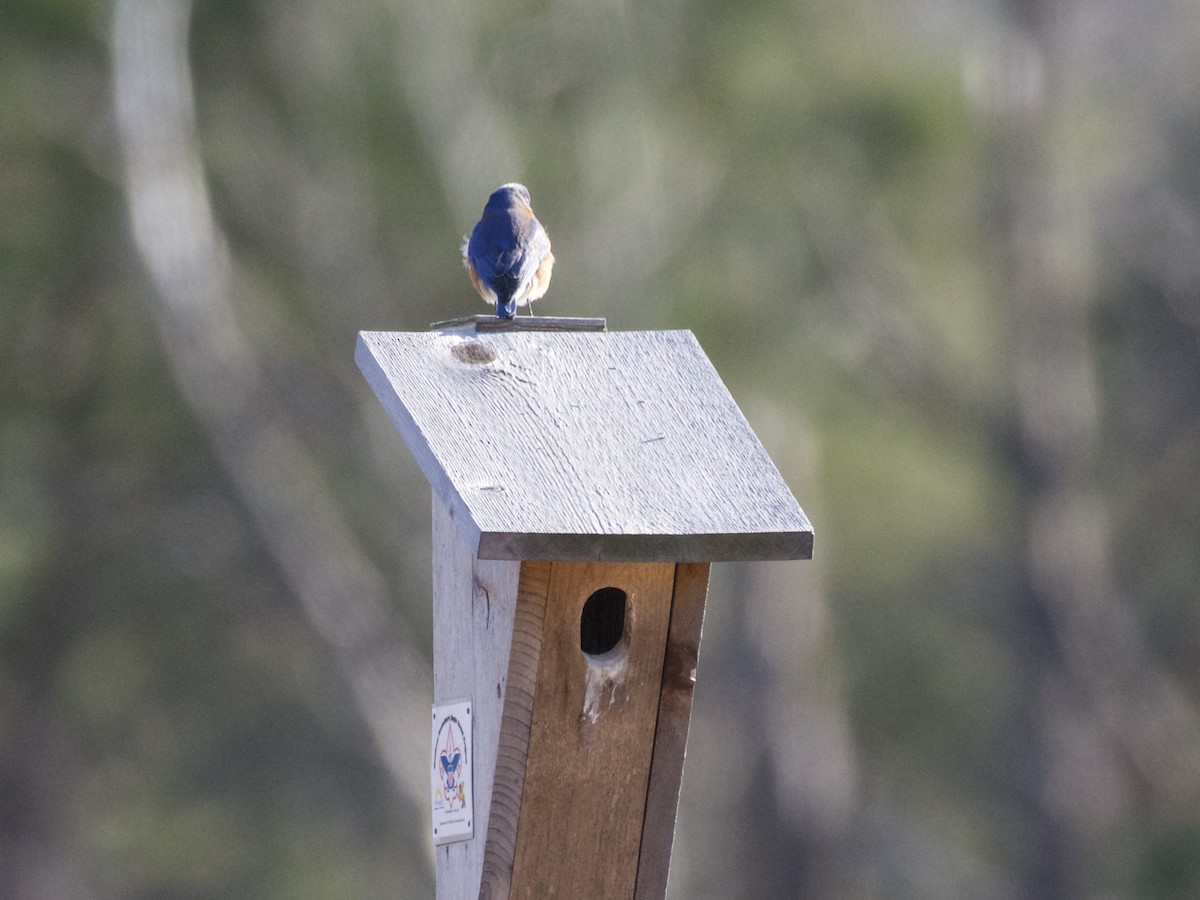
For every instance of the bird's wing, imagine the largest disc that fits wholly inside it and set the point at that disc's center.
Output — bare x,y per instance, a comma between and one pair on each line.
506,251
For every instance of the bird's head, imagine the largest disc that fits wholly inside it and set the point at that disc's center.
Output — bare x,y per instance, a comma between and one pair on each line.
508,195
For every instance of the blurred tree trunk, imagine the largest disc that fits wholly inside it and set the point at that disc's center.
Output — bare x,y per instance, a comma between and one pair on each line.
1104,729
187,257
773,750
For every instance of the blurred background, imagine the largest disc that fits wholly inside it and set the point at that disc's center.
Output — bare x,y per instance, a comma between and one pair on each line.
946,255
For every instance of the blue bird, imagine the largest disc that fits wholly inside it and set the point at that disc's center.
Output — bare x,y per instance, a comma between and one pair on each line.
508,254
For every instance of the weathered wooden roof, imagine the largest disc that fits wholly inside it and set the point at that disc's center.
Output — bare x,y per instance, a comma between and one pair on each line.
585,445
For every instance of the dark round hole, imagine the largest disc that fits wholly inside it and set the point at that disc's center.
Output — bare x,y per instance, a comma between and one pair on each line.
602,624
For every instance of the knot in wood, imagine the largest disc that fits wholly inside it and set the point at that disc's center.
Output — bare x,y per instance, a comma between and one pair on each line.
473,353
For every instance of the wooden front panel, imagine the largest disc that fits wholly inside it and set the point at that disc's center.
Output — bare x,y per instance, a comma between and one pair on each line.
671,733
591,737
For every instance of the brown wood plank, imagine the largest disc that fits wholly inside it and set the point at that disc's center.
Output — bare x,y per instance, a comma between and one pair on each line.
519,690
592,738
670,740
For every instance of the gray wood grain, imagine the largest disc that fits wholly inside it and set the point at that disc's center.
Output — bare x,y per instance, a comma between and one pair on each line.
474,603
480,323
619,446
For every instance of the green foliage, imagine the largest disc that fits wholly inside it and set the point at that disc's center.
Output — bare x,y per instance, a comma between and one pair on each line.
829,196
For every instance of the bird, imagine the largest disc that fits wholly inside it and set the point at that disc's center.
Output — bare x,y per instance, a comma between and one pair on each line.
508,253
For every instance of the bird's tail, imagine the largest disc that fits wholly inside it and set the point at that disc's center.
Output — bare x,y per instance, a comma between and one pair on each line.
506,309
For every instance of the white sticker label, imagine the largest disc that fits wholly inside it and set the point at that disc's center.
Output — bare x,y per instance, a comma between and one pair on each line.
451,784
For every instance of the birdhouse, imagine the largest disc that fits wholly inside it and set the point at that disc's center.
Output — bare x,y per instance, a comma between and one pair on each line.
583,481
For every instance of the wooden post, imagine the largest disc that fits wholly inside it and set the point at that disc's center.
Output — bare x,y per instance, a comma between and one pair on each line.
582,483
